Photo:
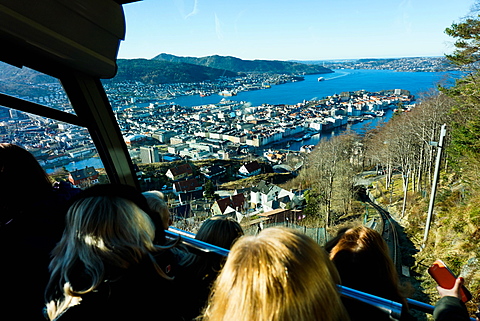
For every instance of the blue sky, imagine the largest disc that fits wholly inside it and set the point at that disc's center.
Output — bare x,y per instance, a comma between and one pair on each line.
291,29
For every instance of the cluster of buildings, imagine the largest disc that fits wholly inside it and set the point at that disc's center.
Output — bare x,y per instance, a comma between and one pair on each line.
410,64
264,202
126,93
222,130
54,144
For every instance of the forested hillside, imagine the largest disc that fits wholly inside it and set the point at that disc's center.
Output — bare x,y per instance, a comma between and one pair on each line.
154,72
240,65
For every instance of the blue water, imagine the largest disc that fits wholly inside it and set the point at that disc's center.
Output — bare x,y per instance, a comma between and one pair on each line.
73,166
334,83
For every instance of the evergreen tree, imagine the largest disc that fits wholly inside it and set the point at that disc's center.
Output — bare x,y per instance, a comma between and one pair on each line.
465,133
209,189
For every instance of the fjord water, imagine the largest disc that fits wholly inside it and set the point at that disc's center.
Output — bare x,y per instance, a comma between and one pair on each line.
334,83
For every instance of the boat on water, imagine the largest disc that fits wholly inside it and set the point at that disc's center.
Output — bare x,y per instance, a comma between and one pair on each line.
307,136
227,93
321,79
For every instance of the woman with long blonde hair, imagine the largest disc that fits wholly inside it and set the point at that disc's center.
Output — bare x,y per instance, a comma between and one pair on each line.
106,265
278,275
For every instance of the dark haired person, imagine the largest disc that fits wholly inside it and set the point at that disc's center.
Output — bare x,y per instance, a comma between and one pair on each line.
199,271
32,215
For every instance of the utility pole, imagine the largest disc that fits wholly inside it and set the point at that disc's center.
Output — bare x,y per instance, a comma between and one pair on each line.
439,146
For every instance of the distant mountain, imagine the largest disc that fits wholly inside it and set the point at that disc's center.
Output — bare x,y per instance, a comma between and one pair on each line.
239,65
163,69
164,72
23,75
23,82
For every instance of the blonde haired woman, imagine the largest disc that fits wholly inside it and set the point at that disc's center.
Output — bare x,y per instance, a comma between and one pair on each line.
106,265
280,274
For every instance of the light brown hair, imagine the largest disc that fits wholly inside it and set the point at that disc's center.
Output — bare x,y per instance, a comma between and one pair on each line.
280,274
361,255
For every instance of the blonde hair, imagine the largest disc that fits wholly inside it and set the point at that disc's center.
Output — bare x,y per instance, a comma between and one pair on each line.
156,202
280,274
100,231
362,254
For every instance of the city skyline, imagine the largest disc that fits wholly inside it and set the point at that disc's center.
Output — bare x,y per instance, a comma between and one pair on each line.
287,30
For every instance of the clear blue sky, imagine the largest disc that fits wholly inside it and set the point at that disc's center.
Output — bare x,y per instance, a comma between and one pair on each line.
291,29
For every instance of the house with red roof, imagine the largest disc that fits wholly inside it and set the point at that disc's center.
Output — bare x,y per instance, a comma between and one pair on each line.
179,172
188,185
84,177
188,190
250,169
232,205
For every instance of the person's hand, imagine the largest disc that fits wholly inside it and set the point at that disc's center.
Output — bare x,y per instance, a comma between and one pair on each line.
455,291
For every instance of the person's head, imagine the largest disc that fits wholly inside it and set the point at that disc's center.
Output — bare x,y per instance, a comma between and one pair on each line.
19,170
156,202
219,230
112,228
129,193
101,231
280,274
360,255
333,241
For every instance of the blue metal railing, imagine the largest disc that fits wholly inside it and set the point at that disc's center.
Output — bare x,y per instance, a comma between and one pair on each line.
191,241
394,309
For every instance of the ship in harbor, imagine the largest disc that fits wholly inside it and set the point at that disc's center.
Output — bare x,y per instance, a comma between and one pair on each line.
227,93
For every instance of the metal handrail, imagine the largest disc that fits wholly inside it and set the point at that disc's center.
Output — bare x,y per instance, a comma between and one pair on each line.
394,309
191,241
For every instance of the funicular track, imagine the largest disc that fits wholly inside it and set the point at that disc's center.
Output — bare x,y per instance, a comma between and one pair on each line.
389,233
386,227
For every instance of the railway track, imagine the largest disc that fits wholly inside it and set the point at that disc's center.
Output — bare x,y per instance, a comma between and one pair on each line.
388,231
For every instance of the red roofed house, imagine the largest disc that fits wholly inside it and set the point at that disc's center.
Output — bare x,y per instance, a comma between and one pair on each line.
232,205
250,169
188,185
179,172
84,177
188,190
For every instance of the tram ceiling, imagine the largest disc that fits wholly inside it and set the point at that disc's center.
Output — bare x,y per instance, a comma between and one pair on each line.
51,35
77,42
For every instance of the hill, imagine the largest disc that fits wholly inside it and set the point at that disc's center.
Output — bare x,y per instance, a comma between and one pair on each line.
163,72
252,66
